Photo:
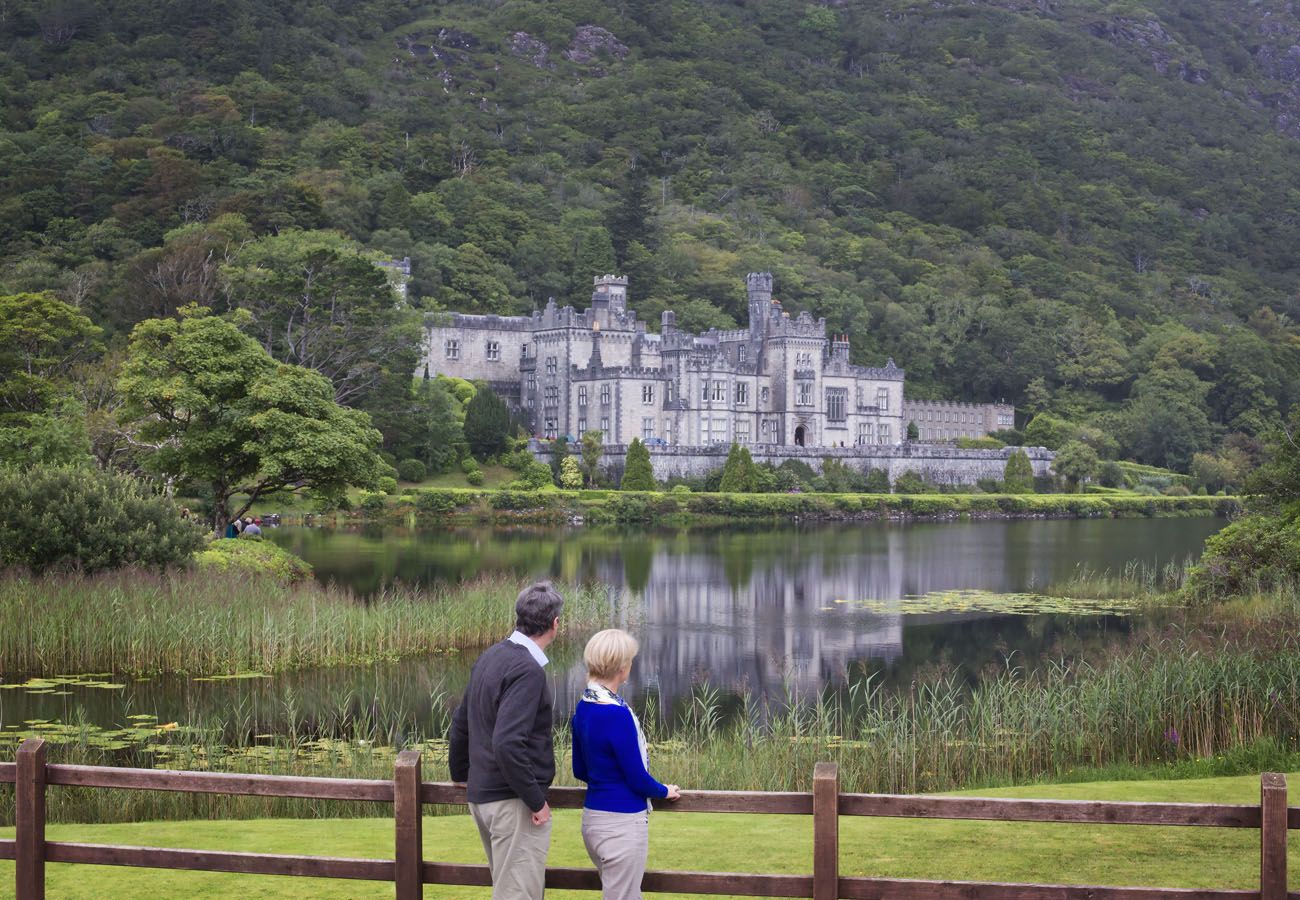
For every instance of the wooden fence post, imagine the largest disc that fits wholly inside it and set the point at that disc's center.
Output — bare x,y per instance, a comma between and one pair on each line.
29,817
407,809
826,831
1272,836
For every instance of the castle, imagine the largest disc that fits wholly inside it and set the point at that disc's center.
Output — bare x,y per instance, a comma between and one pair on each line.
781,381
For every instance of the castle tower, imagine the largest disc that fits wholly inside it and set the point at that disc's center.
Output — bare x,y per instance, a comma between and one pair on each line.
759,286
610,291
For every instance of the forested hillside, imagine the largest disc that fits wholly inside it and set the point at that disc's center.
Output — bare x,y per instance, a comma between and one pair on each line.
1085,208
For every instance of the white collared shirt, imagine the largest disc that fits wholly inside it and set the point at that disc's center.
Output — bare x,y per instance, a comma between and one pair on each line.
530,645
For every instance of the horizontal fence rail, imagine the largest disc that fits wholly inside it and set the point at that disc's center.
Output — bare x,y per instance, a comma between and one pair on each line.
409,871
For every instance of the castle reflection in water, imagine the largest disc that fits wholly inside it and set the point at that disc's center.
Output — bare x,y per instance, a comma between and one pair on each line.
781,614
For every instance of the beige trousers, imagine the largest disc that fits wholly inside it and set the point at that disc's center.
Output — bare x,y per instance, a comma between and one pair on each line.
619,844
515,847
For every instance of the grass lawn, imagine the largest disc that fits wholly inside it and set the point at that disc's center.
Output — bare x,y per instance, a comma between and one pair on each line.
973,851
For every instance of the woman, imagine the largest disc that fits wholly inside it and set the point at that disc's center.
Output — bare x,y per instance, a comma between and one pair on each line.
609,754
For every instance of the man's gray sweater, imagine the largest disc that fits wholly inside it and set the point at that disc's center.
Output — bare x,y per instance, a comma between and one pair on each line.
500,738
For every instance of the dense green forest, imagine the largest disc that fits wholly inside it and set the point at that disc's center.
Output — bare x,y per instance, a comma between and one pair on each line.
1089,209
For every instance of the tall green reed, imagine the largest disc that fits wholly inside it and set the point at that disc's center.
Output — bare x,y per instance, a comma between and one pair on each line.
138,622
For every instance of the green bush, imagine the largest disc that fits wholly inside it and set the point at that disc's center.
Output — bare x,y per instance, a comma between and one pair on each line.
437,502
412,470
1256,553
469,464
372,503
680,490
523,500
388,485
261,557
475,478
877,482
87,520
910,483
535,476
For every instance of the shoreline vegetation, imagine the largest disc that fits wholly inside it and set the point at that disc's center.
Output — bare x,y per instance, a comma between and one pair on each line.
213,621
463,506
1212,688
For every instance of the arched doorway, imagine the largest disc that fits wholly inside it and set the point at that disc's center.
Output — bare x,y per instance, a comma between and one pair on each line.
799,436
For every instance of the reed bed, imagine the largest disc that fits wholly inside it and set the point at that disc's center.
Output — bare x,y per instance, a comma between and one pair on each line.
1156,706
1172,705
134,622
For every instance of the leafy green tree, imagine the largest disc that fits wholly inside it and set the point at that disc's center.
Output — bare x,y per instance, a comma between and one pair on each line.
216,409
570,474
1076,462
738,475
1048,431
1166,421
638,475
487,423
1111,474
318,300
913,433
593,446
1018,474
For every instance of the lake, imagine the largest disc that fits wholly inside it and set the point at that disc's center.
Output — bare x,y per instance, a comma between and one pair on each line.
772,612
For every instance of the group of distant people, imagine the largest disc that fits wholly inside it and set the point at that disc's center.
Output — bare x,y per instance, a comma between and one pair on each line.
246,526
500,748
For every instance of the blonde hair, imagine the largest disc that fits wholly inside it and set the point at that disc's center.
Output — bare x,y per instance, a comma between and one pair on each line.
609,652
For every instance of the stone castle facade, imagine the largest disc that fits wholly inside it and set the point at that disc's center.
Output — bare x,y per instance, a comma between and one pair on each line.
781,381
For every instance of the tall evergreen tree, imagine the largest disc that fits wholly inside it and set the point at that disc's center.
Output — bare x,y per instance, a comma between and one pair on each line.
638,475
738,475
633,218
1018,474
487,423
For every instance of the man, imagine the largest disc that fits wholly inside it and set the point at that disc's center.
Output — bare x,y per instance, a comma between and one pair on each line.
500,747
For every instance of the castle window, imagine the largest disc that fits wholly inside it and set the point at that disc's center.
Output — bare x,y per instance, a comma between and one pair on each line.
523,351
648,393
742,431
647,428
550,365
883,434
582,426
803,360
704,392
552,396
604,424
582,395
552,428
605,394
742,393
837,401
493,351
804,397
864,433
882,398
764,394
452,349
720,391
532,382
668,392
741,353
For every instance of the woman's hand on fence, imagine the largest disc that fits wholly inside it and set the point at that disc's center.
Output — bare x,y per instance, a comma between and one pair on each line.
674,792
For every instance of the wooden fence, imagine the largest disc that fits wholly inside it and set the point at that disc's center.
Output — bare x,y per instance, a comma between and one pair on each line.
409,870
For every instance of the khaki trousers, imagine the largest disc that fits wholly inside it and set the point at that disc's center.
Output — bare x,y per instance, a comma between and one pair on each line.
515,847
619,844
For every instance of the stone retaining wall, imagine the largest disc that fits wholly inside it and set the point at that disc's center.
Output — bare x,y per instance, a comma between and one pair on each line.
937,463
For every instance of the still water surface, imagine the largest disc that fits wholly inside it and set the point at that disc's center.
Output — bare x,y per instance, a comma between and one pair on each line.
773,612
